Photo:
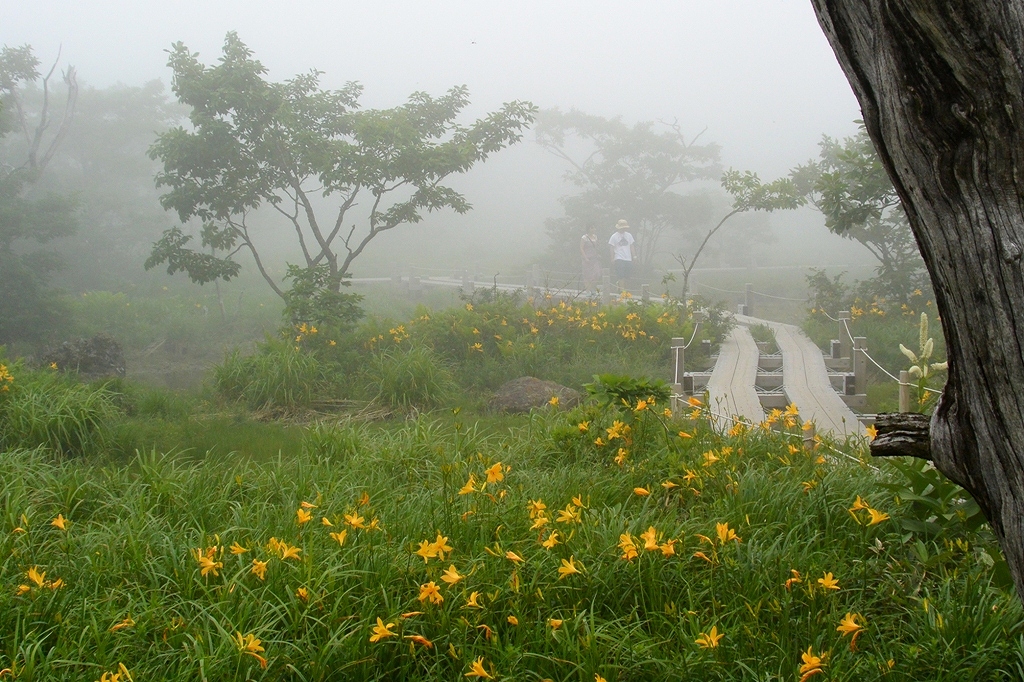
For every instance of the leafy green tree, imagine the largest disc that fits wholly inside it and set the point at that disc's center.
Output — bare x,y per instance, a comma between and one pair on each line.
748,194
28,311
849,185
309,155
632,172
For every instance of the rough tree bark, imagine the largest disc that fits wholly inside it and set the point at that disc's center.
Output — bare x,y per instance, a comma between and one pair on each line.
941,89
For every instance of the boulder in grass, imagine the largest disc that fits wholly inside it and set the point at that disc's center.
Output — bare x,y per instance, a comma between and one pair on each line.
100,357
526,393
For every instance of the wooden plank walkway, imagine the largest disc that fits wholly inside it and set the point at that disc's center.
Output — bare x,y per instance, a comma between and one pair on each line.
806,383
731,386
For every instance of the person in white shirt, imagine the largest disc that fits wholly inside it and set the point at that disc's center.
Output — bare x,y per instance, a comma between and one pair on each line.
621,244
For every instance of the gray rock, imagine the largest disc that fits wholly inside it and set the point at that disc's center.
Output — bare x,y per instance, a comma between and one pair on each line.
100,357
526,393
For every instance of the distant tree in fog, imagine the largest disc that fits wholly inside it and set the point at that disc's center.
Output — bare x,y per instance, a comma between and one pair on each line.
27,310
312,156
633,172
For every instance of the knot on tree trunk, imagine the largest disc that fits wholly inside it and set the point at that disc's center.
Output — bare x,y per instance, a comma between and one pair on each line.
902,434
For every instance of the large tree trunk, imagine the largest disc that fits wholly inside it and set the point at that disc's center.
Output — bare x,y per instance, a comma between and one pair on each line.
941,89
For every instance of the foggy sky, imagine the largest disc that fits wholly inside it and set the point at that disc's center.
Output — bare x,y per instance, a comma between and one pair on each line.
757,74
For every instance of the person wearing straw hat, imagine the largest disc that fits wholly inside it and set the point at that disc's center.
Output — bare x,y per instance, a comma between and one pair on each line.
621,244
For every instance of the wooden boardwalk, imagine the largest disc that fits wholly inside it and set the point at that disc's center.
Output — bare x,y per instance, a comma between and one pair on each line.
806,383
731,386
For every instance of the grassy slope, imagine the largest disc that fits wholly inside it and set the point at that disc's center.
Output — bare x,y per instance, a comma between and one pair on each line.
128,551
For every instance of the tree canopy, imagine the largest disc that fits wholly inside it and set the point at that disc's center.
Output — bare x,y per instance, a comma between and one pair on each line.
849,185
310,155
632,172
27,216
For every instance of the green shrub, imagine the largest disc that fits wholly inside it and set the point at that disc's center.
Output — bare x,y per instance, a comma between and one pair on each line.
46,408
411,377
278,375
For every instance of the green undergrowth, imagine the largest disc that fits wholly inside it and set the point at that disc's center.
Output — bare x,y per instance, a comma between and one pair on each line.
663,529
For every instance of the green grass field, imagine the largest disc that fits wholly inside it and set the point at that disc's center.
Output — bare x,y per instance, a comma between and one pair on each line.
235,565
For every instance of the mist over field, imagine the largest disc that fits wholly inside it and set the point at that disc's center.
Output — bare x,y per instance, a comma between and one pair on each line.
756,78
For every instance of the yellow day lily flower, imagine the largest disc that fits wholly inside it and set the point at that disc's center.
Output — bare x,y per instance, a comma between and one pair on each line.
427,551
793,580
302,593
650,538
302,516
355,521
289,552
551,541
476,669
571,514
598,678
35,576
259,569
441,546
710,458
578,501
488,632
59,522
668,548
871,431
642,492
725,534
495,474
568,568
668,485
472,603
812,665
307,505
421,640
554,401
250,646
876,516
451,575
629,551
539,522
828,582
237,549
411,614
641,405
381,631
710,639
513,557
535,508
208,566
858,504
512,620
364,499
431,592
126,623
583,426
555,623
849,626
324,521
340,537
470,486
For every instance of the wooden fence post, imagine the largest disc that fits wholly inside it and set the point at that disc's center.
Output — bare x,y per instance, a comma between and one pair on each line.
809,436
904,391
678,374
860,365
845,344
